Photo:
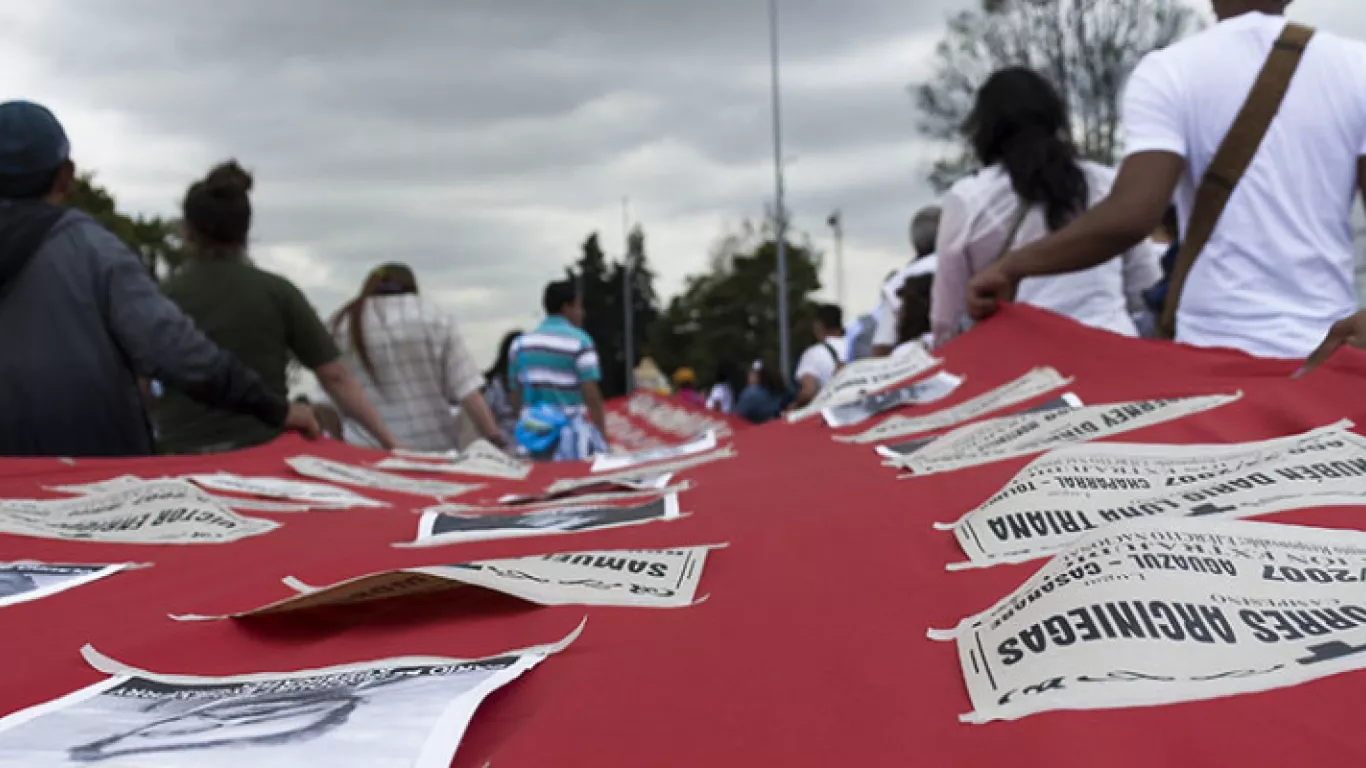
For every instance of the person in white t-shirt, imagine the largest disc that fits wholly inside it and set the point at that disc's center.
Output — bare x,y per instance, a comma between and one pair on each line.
823,359
1277,272
924,233
1032,183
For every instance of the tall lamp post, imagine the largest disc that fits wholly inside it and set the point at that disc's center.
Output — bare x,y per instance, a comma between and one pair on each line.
628,293
837,227
780,214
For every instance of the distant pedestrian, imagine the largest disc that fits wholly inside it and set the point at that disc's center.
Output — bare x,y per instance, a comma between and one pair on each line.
258,316
408,354
498,390
555,375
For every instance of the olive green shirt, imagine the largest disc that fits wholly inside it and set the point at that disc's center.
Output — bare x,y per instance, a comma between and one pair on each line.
263,320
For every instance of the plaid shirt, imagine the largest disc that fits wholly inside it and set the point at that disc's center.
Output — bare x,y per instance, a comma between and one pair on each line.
423,369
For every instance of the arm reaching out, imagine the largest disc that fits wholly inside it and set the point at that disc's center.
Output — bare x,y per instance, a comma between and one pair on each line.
1140,196
478,408
592,397
347,393
162,343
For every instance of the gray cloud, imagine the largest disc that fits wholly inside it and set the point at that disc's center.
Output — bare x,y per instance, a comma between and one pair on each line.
481,141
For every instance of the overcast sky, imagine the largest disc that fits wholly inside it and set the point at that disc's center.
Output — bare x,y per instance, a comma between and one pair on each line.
481,140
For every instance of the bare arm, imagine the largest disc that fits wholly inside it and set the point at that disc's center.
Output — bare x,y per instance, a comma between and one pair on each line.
482,416
592,397
1140,196
162,343
346,392
810,387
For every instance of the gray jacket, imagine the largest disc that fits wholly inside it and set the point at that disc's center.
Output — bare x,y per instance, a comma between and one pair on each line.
80,321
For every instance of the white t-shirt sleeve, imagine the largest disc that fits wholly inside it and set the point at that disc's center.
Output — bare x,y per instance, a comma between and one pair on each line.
1152,110
817,363
885,316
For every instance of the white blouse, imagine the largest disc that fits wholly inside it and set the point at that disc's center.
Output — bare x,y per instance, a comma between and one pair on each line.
977,215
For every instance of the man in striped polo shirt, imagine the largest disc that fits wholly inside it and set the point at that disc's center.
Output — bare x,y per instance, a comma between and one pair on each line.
555,374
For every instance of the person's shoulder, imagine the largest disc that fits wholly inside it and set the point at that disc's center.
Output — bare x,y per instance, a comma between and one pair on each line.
983,183
272,280
82,229
579,335
1349,52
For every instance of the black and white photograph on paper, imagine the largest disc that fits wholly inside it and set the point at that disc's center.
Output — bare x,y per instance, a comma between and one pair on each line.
644,483
863,377
1160,611
23,581
625,578
612,462
1038,382
480,459
641,474
153,512
399,712
364,477
438,528
924,392
1065,494
310,495
1047,431
1055,406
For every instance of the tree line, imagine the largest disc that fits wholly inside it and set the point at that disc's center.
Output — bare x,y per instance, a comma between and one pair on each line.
724,315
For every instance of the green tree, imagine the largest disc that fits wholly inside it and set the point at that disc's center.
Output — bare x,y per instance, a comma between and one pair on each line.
604,301
1086,48
730,314
157,242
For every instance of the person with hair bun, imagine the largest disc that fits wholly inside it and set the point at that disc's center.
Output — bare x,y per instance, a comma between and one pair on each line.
84,320
1032,183
258,316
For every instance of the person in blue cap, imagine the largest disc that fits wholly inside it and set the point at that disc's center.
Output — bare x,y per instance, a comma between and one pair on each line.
82,319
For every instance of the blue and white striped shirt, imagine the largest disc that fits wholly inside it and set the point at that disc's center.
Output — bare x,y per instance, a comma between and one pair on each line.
551,364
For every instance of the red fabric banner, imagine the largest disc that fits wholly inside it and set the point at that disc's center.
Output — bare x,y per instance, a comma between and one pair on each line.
811,650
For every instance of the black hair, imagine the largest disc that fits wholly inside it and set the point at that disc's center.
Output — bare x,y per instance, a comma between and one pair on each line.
499,371
830,316
1020,121
29,186
913,320
217,211
559,295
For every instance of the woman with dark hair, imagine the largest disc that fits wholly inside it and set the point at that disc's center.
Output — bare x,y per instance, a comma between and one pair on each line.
410,358
498,392
259,317
1032,183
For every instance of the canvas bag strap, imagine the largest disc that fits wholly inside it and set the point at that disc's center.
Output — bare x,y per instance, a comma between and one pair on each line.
1234,157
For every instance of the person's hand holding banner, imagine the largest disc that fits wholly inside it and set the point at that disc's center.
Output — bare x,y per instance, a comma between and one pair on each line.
1348,331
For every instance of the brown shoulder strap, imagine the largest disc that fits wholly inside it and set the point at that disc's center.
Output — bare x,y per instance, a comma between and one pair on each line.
1233,158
